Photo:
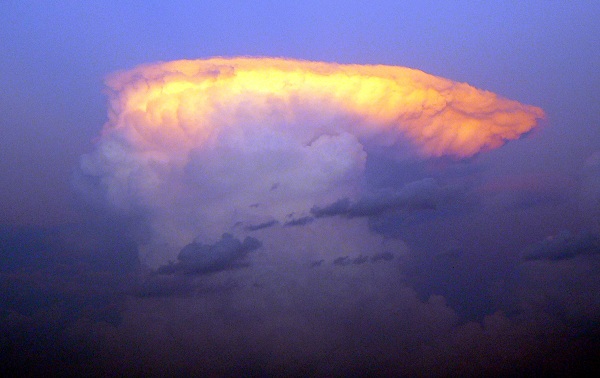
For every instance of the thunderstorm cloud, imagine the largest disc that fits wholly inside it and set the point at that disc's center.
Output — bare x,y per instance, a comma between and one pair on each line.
199,146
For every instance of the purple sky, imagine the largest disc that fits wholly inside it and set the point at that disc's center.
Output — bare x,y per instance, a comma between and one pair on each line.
441,260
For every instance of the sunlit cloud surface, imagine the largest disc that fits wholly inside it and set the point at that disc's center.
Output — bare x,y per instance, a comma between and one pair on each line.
202,145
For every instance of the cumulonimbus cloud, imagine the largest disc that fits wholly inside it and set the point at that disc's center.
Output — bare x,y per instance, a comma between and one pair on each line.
200,145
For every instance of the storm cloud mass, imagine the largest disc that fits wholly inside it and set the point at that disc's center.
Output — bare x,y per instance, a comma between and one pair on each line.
333,213
200,146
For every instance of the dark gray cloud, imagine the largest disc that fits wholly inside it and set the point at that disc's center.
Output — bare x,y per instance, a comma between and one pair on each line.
564,246
383,256
302,221
260,226
359,260
198,258
342,261
339,207
424,194
419,195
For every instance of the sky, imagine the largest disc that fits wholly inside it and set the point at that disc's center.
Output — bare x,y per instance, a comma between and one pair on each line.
251,212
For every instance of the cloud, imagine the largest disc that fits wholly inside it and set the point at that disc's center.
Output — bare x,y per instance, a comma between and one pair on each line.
260,226
339,207
564,246
560,276
195,147
522,192
302,221
198,258
350,315
590,188
342,319
383,256
175,99
424,194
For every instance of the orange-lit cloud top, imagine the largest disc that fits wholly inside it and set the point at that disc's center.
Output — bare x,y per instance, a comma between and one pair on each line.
186,103
200,146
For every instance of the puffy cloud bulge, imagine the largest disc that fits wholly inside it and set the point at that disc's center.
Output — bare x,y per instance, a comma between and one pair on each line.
202,145
185,103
